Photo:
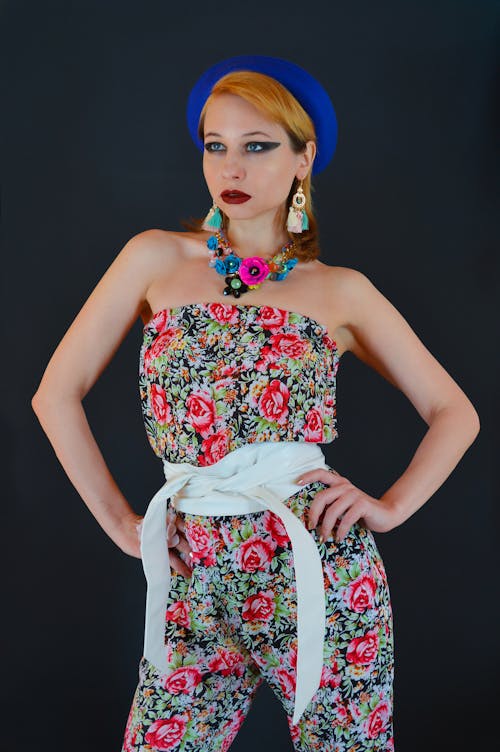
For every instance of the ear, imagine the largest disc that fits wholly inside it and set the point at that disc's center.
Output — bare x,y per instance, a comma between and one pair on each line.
306,160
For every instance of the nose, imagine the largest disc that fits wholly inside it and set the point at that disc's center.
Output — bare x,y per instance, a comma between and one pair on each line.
232,167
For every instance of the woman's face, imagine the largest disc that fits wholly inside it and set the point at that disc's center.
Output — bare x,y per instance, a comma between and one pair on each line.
245,151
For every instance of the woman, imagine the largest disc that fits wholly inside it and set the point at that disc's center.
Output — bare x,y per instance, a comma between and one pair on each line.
271,570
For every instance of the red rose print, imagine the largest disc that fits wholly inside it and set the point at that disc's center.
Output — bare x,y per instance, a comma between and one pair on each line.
330,678
214,448
223,313
276,528
255,554
267,357
199,539
183,679
363,650
259,607
360,594
273,403
160,320
288,344
272,318
227,662
201,412
377,720
329,342
178,612
161,408
287,682
313,430
160,344
355,710
165,734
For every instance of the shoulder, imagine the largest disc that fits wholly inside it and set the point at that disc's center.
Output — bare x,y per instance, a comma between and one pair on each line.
348,286
152,249
153,242
352,300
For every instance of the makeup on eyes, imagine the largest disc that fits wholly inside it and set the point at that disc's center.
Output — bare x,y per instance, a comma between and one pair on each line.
266,146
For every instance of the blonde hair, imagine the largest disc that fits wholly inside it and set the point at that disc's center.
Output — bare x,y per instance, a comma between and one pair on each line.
276,102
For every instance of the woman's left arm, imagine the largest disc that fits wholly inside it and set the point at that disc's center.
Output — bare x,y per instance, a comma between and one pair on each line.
379,336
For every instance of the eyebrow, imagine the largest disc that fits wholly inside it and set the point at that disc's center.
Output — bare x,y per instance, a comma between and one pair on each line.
251,133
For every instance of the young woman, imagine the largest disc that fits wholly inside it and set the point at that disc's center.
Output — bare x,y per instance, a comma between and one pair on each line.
259,557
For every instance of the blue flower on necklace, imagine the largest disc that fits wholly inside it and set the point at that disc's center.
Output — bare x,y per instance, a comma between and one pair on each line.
220,266
212,242
232,263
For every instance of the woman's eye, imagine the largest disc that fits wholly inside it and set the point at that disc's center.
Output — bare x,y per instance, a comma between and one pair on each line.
264,145
260,146
251,146
210,144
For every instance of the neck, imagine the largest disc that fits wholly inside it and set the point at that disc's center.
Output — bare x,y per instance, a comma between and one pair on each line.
254,238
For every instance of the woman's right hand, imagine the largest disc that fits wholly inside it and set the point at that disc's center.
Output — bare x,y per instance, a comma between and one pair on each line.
178,544
176,541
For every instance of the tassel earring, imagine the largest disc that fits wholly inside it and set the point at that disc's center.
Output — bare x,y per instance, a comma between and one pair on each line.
213,220
297,216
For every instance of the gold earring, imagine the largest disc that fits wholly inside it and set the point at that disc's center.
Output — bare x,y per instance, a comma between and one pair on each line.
297,215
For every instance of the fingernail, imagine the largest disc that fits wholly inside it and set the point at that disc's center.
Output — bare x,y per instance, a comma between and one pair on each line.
300,482
321,539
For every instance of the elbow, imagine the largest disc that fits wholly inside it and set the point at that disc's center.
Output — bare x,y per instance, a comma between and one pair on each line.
470,421
475,422
42,401
37,402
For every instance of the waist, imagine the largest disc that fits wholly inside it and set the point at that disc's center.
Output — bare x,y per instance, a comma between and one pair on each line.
235,484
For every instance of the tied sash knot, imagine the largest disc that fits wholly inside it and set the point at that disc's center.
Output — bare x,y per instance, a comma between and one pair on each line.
251,478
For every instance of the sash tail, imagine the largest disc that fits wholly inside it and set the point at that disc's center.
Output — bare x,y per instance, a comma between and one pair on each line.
156,565
311,611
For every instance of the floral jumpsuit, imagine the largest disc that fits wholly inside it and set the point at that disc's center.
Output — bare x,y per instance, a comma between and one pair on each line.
214,377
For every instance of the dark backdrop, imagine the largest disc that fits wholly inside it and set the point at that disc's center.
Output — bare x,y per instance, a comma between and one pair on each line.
94,150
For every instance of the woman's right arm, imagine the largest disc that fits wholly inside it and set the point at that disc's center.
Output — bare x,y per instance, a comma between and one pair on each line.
82,355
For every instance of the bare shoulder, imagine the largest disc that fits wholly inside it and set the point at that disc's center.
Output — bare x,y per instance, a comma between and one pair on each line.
150,245
152,253
339,291
344,281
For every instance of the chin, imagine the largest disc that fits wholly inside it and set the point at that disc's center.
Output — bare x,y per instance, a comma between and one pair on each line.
243,211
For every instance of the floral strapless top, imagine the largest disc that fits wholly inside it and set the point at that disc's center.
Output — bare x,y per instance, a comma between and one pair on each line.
216,376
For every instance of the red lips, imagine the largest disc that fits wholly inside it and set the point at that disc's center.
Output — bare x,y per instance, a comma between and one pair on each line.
234,197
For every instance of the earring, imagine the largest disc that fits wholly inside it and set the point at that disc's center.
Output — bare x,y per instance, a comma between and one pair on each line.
213,220
297,216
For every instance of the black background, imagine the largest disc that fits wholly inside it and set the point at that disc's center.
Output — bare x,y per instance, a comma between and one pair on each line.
95,149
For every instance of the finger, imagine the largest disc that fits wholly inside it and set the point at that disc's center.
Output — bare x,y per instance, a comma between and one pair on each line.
173,540
321,474
335,511
180,524
179,565
353,515
184,546
171,529
322,501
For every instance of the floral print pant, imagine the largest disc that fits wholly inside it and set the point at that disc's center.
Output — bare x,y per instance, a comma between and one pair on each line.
232,625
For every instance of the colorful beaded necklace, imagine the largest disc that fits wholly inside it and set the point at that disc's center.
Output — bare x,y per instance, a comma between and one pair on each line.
248,273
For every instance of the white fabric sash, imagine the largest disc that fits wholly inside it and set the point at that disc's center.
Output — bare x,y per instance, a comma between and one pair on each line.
251,478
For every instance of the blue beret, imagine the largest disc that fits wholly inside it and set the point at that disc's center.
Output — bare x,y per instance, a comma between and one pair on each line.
304,87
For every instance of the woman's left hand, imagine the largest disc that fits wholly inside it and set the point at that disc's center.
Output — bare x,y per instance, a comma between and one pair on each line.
342,500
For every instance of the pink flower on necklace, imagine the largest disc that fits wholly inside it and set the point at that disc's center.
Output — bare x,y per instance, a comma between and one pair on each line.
253,270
